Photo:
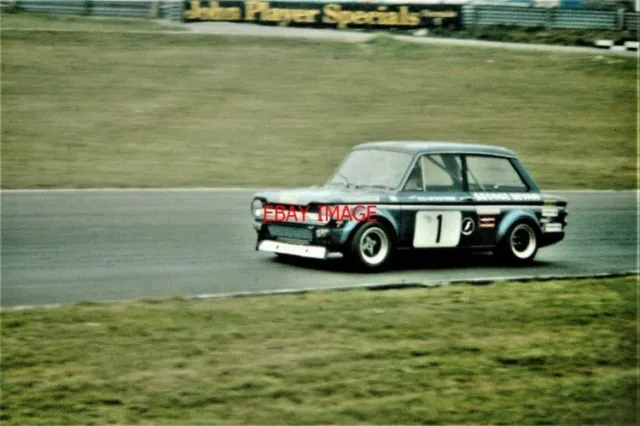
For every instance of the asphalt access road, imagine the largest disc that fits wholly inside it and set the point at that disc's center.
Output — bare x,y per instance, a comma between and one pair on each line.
61,247
353,36
238,29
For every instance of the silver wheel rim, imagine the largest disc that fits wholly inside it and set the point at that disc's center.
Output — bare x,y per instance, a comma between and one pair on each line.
523,241
374,246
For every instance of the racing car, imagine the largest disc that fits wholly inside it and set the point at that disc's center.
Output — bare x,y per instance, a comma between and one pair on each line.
413,195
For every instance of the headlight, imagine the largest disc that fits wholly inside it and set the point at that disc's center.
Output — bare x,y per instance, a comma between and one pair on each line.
256,209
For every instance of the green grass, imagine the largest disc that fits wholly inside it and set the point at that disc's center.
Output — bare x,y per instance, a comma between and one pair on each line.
560,352
23,20
95,110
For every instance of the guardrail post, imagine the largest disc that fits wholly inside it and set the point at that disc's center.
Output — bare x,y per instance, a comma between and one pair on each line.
550,18
620,19
173,10
13,6
88,6
155,9
474,16
181,10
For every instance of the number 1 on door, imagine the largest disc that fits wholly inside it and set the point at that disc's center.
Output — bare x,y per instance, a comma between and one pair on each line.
437,229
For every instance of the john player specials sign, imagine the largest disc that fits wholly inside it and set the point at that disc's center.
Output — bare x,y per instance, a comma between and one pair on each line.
319,14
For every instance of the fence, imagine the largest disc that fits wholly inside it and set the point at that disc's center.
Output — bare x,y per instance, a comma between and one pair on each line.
472,15
165,9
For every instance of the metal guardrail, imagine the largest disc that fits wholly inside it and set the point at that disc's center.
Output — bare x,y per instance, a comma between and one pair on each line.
632,22
165,9
472,15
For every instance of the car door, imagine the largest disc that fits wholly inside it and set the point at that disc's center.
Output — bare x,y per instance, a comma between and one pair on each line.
435,206
498,190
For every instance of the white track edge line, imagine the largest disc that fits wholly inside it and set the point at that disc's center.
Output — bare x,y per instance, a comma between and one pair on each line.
390,286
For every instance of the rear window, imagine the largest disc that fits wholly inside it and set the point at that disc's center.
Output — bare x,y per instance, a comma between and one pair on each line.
490,174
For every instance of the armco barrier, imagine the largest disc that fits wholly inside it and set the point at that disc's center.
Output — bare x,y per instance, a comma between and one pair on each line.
632,22
166,9
478,16
341,13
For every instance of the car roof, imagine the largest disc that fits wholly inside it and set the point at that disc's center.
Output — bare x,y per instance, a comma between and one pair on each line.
415,147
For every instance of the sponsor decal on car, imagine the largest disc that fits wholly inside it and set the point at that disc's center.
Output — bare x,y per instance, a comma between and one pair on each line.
468,226
488,211
437,198
552,227
505,196
487,222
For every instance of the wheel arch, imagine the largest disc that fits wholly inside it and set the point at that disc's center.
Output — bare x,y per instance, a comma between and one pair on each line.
517,216
388,223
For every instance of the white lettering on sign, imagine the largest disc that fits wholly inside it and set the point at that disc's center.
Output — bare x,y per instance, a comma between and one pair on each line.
505,196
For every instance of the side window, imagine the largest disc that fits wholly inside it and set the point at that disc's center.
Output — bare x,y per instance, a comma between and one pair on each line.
414,181
489,174
436,173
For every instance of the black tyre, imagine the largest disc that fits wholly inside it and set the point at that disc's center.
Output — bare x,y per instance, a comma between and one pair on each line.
371,247
520,244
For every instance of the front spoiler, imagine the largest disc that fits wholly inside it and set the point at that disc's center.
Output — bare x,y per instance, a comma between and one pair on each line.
313,252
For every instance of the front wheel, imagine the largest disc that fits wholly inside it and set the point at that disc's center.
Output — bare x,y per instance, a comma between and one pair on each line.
520,244
371,247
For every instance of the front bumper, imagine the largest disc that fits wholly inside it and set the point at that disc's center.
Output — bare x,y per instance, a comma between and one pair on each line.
552,233
316,242
313,252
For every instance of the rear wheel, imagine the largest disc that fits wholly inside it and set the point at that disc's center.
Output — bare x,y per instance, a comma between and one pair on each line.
520,244
371,247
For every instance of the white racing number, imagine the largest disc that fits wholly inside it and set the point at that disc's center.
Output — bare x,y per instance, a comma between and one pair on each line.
437,229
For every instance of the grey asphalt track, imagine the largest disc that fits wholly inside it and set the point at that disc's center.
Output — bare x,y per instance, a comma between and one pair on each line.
62,247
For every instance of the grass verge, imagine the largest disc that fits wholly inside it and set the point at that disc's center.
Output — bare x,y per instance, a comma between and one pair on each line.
152,110
44,22
559,352
536,35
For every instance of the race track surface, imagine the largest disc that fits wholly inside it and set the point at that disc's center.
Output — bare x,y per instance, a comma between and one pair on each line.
61,247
